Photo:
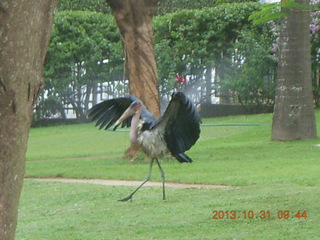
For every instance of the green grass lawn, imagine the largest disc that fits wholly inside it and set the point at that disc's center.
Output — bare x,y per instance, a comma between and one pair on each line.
265,175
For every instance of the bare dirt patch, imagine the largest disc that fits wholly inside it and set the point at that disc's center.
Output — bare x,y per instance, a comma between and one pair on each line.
125,183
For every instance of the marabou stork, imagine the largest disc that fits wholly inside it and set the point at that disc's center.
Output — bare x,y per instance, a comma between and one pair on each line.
175,132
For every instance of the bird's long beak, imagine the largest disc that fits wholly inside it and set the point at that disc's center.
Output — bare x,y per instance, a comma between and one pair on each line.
127,113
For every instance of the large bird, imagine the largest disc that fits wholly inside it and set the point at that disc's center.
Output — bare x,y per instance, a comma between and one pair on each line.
175,132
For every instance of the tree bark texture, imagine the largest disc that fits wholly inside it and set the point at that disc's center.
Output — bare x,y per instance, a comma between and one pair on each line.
294,116
134,20
25,27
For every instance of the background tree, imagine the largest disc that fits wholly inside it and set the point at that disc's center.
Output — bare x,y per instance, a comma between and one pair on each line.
219,50
84,5
315,53
85,50
134,20
294,108
24,29
250,75
209,46
170,6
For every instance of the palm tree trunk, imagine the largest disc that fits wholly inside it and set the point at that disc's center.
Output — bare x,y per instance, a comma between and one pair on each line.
294,108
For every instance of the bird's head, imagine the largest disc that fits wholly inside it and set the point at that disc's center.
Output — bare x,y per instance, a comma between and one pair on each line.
178,95
134,107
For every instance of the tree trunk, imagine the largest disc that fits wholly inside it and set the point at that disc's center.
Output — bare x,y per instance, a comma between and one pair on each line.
134,20
294,110
24,35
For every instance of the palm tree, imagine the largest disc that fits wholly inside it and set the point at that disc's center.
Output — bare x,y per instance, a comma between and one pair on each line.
294,116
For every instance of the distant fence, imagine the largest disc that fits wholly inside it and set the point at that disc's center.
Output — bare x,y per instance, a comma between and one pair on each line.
57,121
220,110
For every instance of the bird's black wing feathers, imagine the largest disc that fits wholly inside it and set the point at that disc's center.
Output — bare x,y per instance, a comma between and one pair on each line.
181,123
108,112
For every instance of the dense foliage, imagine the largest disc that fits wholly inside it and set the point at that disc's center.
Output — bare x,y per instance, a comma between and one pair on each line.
164,6
315,53
84,5
217,49
218,41
170,6
85,49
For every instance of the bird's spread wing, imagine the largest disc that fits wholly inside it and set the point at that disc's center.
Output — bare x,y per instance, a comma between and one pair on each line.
108,112
180,123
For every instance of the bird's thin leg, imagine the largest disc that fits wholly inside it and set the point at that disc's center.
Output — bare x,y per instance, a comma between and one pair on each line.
146,180
163,179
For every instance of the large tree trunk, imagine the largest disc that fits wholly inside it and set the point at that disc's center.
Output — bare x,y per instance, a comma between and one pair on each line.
294,110
134,20
24,36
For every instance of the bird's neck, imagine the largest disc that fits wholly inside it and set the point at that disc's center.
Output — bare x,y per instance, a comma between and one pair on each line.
134,126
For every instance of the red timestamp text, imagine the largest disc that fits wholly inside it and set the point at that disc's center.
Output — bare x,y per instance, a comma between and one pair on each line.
263,214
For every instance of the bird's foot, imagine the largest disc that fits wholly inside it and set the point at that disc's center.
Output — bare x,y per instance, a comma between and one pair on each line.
126,198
